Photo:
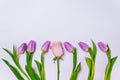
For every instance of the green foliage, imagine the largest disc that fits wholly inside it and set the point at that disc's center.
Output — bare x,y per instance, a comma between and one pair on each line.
39,66
93,51
76,68
109,68
108,53
74,59
33,75
29,57
91,61
14,70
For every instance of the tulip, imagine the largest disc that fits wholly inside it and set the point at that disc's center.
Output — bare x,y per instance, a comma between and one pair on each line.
21,49
68,47
45,46
111,60
90,60
57,49
71,49
83,46
102,46
31,46
44,49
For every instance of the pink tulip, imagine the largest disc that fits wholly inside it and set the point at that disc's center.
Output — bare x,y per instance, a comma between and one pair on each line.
57,49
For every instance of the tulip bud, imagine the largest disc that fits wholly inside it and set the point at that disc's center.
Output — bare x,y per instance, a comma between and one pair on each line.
31,46
102,46
57,49
45,46
83,46
21,49
68,47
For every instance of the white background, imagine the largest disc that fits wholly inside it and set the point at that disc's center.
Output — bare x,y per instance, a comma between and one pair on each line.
60,20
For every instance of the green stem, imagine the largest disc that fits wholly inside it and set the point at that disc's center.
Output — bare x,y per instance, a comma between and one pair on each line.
107,76
58,69
73,76
42,72
42,59
22,71
29,57
24,74
74,59
91,71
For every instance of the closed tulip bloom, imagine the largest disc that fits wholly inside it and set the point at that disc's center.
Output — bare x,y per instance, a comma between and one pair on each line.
83,46
21,49
68,47
102,46
45,46
31,46
57,49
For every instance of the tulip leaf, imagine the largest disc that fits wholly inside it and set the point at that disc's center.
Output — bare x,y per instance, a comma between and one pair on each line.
75,73
112,61
9,52
39,66
74,58
14,58
14,70
89,62
91,53
33,75
94,50
14,51
77,70
106,70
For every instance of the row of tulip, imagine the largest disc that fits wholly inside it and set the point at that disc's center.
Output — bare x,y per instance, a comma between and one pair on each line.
58,51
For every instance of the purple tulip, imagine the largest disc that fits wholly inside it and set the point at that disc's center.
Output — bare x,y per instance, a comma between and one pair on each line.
31,46
83,46
102,46
68,47
45,46
21,49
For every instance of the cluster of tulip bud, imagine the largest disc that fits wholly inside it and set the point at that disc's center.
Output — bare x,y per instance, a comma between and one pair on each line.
58,51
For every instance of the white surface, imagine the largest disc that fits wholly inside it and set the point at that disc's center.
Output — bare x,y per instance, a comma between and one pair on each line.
62,20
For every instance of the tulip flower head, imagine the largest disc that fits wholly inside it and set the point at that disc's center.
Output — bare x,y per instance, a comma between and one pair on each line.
102,46
83,46
45,46
21,49
68,47
31,46
57,49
